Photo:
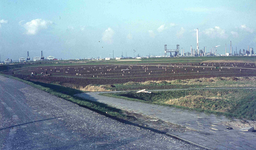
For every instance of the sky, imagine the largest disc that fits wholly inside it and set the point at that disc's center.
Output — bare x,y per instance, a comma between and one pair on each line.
68,29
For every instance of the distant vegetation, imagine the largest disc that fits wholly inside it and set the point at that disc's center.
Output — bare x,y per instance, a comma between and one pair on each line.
143,61
186,83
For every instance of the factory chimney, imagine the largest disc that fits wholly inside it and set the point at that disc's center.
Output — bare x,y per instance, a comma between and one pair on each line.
230,47
197,36
28,55
191,50
42,56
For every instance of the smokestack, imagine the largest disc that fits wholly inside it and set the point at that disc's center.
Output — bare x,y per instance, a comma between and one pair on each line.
42,56
230,47
165,50
191,50
197,36
28,55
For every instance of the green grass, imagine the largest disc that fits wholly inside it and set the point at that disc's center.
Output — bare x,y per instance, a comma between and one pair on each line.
186,83
237,103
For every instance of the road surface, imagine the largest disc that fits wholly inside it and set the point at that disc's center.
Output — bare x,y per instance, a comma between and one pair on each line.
208,130
33,119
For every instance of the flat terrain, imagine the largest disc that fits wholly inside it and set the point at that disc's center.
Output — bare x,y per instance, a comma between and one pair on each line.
33,119
83,75
163,73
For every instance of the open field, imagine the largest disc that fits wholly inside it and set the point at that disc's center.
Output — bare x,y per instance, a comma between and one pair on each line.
162,73
80,76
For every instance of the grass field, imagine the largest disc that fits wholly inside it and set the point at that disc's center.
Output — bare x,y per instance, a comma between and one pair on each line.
239,103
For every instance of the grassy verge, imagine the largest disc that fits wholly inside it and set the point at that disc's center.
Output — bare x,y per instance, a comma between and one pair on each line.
186,83
68,94
230,102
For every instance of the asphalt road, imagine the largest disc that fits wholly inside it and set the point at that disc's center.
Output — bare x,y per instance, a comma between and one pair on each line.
33,119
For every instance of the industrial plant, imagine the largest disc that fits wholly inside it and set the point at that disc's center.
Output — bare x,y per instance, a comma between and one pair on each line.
202,52
29,59
168,52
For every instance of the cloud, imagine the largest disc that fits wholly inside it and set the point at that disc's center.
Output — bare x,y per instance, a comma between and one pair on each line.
181,32
151,33
235,34
129,36
215,32
3,22
82,28
243,27
161,28
172,24
107,36
34,26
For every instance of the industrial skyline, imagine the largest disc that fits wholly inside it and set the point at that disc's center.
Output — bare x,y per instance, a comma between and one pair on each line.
77,29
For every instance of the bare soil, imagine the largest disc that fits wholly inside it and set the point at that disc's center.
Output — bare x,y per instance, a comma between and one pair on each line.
82,76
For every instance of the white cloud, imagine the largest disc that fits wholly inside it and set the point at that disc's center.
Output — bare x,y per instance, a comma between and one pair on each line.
180,32
244,27
161,28
34,26
2,22
215,32
172,24
151,33
129,36
82,28
108,36
235,34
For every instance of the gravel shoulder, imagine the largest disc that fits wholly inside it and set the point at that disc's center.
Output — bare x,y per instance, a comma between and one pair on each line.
33,119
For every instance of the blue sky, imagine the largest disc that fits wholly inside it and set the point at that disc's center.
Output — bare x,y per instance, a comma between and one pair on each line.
70,29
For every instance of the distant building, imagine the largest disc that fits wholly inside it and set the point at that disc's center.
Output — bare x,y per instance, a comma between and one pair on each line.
37,58
50,57
107,58
7,61
22,59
